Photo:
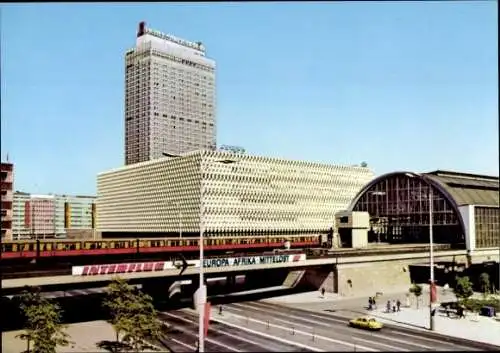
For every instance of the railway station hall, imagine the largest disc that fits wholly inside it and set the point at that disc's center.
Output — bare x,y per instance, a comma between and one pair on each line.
465,208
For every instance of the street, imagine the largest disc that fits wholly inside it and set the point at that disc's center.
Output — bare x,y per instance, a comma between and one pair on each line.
182,336
260,326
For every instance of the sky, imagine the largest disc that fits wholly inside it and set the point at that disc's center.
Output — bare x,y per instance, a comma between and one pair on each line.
400,85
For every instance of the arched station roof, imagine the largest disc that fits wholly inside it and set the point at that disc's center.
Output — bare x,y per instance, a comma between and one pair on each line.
458,188
468,189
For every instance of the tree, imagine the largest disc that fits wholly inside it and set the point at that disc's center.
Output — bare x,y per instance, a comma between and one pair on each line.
132,314
43,323
143,324
484,283
364,164
417,290
463,288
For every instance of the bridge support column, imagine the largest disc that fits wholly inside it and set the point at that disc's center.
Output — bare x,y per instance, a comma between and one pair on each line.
230,281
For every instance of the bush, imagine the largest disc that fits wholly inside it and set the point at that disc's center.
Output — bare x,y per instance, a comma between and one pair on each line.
463,288
475,305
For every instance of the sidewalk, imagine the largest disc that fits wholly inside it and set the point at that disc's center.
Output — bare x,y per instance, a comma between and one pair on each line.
85,335
314,298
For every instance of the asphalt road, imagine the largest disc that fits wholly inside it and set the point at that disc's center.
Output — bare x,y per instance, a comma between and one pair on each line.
325,332
182,336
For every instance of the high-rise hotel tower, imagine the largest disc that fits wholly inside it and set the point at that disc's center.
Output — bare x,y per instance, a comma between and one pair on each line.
169,97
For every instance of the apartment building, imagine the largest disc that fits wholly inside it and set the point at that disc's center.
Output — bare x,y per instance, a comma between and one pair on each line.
6,187
170,101
49,216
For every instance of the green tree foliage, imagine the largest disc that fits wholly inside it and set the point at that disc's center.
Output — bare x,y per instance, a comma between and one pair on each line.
417,290
43,323
484,283
364,164
132,315
463,288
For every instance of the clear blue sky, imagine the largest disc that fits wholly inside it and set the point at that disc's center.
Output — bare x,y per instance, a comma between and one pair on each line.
400,85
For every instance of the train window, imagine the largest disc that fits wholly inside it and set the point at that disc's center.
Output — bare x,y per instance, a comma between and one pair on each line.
8,247
15,247
175,243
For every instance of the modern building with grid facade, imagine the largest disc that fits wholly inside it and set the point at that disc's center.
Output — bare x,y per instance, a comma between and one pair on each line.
169,97
240,194
465,212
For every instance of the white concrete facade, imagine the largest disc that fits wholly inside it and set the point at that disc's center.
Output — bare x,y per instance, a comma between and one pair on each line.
242,193
467,213
170,102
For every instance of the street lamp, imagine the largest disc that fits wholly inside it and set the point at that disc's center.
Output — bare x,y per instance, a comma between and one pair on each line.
431,253
177,204
431,260
202,290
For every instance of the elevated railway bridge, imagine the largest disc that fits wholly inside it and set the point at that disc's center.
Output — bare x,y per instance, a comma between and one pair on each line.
344,271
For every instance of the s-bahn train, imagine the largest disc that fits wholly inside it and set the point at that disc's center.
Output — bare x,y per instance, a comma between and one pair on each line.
48,248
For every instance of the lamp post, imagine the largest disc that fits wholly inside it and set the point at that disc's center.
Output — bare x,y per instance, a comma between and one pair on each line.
431,260
202,290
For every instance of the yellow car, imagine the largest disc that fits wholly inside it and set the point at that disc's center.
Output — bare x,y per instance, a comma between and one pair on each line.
367,323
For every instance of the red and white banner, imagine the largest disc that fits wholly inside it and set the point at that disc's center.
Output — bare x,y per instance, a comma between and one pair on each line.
206,317
92,270
107,269
433,292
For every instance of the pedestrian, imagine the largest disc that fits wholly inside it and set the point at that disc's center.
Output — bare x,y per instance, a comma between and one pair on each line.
323,292
388,306
461,312
374,303
398,304
220,309
370,303
393,306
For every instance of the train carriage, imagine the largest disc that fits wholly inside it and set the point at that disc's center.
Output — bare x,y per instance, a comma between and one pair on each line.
67,247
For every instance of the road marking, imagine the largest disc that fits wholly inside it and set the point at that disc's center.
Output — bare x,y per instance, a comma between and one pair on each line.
182,343
274,338
293,323
349,344
394,332
206,338
335,319
227,334
285,314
